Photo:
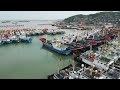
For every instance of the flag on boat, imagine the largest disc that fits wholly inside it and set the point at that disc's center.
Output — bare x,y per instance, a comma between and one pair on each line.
74,54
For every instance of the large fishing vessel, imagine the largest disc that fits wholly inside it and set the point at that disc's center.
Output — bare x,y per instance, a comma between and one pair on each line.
102,58
56,46
80,71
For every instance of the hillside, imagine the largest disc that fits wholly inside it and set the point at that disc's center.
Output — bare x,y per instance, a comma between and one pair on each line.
98,18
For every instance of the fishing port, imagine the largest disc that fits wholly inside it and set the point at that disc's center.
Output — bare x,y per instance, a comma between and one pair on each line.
61,49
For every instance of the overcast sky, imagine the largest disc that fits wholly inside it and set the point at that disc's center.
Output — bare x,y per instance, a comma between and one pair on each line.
40,15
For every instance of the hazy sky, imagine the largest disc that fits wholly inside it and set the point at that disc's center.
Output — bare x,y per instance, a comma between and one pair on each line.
40,15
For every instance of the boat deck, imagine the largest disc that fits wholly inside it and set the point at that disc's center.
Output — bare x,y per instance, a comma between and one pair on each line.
63,47
113,74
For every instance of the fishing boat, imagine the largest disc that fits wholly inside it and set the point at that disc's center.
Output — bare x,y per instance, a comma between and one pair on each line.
54,33
66,41
69,72
60,32
14,39
105,56
95,40
110,51
42,39
7,41
39,32
81,45
80,71
25,39
17,33
93,72
100,61
51,32
32,33
60,75
112,73
56,46
1,42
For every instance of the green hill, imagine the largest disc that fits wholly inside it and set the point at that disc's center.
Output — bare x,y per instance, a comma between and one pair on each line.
98,18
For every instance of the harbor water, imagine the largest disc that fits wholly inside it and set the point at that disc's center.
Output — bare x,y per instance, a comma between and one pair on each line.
29,60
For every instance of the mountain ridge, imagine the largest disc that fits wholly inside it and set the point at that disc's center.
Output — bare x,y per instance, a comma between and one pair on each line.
97,18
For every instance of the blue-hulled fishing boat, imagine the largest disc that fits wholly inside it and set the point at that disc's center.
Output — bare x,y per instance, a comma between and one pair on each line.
56,46
7,41
60,32
49,33
25,39
1,42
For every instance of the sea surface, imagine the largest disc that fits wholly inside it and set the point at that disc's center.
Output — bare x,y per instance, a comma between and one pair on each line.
31,60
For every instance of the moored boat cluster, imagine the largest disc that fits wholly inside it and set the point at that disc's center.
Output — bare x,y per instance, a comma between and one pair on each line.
22,35
102,63
72,43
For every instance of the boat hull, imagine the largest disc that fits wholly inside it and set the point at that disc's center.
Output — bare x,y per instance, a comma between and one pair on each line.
1,42
16,41
65,52
26,40
7,42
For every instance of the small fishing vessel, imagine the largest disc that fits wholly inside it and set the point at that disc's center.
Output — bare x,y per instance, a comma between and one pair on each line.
54,32
32,33
56,46
113,72
14,39
7,41
25,39
50,32
60,32
1,42
38,32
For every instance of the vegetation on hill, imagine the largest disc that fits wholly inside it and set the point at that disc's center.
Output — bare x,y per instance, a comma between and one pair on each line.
98,18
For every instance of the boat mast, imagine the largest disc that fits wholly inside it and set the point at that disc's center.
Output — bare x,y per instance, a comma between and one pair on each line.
59,65
46,38
58,71
91,45
73,64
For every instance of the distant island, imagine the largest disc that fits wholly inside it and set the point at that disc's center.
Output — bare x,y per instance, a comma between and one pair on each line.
100,18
